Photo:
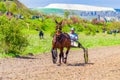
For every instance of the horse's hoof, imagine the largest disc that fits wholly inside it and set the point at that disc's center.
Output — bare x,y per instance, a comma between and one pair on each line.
59,64
65,61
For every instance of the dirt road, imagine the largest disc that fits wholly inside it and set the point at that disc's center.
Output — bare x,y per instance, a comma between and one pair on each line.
104,64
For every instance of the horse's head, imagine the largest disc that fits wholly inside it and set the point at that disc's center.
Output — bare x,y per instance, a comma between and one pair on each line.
58,28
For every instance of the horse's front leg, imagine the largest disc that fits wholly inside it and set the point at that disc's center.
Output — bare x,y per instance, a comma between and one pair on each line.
61,55
66,54
60,59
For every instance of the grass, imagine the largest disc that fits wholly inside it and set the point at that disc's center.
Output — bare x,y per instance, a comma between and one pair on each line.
7,55
99,40
38,46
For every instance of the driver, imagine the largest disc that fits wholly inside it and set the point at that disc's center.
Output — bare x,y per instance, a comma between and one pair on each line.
74,38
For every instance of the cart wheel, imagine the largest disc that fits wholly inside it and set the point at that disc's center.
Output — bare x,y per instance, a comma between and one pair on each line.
86,56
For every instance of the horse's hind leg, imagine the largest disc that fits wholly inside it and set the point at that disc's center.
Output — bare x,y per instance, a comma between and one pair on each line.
65,61
62,55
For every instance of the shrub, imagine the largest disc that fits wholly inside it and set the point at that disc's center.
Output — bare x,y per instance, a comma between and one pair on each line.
12,40
2,7
90,29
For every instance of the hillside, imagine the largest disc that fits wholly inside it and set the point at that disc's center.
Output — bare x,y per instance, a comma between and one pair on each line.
16,7
23,7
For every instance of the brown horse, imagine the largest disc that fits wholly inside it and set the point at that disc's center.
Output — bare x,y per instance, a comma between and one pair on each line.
60,40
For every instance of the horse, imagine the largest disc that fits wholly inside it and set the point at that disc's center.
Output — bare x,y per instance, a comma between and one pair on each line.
62,40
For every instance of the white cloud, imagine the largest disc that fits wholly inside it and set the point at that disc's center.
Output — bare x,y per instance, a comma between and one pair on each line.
79,7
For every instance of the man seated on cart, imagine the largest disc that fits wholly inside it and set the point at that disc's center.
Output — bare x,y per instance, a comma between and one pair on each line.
74,38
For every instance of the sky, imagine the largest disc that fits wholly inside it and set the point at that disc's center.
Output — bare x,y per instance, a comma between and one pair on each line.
43,3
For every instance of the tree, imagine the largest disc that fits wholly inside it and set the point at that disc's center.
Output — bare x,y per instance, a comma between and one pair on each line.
66,14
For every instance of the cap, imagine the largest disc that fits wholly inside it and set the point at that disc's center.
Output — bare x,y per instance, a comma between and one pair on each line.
72,29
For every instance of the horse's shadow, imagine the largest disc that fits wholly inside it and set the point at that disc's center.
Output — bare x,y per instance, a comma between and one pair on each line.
80,64
25,57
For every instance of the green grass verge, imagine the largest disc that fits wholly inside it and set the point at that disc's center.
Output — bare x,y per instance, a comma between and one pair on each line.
99,40
38,46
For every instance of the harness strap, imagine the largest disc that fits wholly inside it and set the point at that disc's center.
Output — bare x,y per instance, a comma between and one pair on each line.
61,38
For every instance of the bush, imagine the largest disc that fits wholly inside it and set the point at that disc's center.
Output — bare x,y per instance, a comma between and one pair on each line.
2,7
12,40
90,29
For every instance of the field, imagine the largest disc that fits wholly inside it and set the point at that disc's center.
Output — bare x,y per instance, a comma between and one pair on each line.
104,61
38,45
103,50
24,56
